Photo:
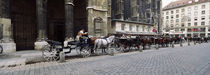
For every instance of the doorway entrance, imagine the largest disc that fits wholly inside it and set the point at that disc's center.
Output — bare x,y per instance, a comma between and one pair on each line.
23,17
80,15
56,20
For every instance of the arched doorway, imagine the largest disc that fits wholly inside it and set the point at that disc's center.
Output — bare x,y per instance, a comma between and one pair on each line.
23,17
80,15
56,20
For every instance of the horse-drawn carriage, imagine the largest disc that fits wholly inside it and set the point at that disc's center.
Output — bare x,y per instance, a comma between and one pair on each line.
51,51
108,45
127,44
85,48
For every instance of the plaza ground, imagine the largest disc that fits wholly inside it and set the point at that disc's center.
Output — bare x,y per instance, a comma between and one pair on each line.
187,60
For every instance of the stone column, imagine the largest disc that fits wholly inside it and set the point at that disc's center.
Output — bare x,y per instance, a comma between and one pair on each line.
7,29
69,34
41,8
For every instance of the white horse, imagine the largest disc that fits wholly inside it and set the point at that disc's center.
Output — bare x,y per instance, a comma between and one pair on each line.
103,43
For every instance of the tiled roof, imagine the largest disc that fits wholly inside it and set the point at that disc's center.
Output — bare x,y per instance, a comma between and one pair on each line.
180,3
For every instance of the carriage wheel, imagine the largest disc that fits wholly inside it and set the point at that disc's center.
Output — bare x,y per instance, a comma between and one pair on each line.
49,54
112,49
85,52
1,49
117,47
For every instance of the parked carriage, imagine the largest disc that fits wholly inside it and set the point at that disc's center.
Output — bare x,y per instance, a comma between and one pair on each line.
127,44
85,48
51,51
135,42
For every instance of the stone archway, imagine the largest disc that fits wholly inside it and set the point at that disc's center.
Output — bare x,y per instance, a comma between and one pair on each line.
23,19
80,15
56,20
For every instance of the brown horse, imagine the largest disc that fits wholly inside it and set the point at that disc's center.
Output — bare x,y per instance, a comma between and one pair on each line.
146,41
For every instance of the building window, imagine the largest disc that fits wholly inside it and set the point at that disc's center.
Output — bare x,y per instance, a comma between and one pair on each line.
172,12
202,23
209,29
195,23
122,26
172,25
166,17
167,13
183,19
137,28
183,10
182,24
177,11
177,20
195,18
189,24
203,12
203,6
203,18
203,30
177,16
172,16
143,28
172,21
189,19
182,30
130,27
196,7
188,30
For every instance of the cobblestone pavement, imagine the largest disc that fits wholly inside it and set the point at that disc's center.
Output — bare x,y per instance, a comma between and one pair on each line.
187,60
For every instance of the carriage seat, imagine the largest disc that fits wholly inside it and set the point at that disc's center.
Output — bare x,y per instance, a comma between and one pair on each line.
73,43
51,42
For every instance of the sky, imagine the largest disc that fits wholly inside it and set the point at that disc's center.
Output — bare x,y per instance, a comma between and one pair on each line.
166,2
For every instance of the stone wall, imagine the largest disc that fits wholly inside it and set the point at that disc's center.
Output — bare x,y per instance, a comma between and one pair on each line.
98,9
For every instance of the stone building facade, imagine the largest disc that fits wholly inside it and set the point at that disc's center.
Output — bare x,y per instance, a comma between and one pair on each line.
141,15
187,18
24,24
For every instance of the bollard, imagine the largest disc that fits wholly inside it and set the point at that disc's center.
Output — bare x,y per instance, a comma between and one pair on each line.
181,44
62,57
157,46
173,44
188,43
194,42
140,48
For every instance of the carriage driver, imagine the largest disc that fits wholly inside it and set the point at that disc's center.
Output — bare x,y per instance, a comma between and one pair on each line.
81,35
